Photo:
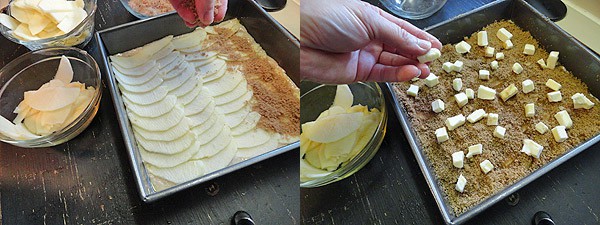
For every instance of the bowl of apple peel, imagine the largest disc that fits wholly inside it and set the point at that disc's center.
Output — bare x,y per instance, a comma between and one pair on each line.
38,24
342,129
48,96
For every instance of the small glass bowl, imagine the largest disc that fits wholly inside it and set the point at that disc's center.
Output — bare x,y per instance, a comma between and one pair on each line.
319,98
414,10
138,14
78,37
30,71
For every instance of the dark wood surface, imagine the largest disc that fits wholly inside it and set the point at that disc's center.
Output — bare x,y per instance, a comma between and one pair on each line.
88,180
392,190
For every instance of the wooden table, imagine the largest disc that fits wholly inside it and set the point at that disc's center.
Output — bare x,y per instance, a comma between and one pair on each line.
88,180
392,190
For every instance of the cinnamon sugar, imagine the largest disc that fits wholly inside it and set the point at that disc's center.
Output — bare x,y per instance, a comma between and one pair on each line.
151,7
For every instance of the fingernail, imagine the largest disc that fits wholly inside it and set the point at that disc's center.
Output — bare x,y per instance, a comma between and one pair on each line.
418,74
424,44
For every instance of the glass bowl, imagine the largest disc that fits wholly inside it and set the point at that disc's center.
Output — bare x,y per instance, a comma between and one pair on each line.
413,10
30,71
138,14
78,37
319,98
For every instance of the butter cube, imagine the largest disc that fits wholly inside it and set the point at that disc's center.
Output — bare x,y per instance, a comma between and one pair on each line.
530,110
560,133
461,99
554,96
508,92
503,34
476,115
486,166
580,101
471,94
489,52
460,184
462,47
542,63
527,86
552,59
438,106
457,66
484,74
482,39
529,49
486,93
475,150
517,68
492,119
458,159
431,80
508,44
457,84
553,85
448,67
499,56
541,127
564,119
455,121
531,148
441,134
499,132
431,55
413,90
494,65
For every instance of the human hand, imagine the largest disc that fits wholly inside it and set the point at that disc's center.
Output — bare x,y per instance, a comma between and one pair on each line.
345,41
200,12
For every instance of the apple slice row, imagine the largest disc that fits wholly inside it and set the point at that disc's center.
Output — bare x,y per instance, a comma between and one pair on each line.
168,160
180,173
270,144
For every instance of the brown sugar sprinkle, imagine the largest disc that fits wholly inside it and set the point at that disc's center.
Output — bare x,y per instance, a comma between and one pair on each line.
151,7
510,164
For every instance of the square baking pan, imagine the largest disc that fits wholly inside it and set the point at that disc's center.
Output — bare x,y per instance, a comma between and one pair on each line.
583,63
279,44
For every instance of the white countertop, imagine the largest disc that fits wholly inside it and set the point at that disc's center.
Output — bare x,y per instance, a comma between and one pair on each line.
289,17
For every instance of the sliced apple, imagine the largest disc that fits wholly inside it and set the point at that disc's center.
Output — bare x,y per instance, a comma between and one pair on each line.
177,81
64,72
165,61
37,23
22,32
201,63
236,104
198,104
177,62
252,138
202,116
160,123
180,173
250,152
235,118
247,124
208,125
343,96
221,159
190,39
211,67
340,148
163,53
167,147
219,143
186,87
136,71
334,127
201,56
187,98
8,21
236,93
192,49
154,110
24,133
217,75
137,80
139,56
51,98
146,98
171,160
171,134
308,172
225,84
213,132
8,129
151,85
177,70
55,118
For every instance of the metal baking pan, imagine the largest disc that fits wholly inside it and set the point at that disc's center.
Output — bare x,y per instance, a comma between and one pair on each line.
274,39
583,63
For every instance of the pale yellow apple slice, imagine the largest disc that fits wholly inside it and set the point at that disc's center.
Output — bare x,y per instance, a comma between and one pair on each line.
51,98
340,148
343,96
225,84
151,85
235,118
137,80
24,133
247,124
308,172
313,159
201,56
221,159
199,103
188,40
139,56
177,81
175,132
64,72
82,102
236,93
186,87
366,131
55,118
171,160
22,32
252,138
202,116
209,135
207,126
181,173
192,49
37,23
163,53
154,110
161,123
287,139
219,143
56,83
211,67
165,61
332,128
217,75
8,129
236,104
8,21
187,98
229,27
146,98
177,70
173,65
268,146
136,71
167,147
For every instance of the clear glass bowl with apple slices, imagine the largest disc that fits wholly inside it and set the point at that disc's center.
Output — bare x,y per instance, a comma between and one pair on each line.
34,69
78,37
340,135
